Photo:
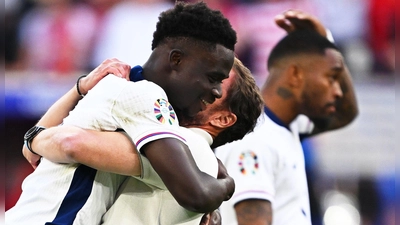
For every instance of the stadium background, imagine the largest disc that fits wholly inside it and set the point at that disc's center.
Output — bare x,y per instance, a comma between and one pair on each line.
351,171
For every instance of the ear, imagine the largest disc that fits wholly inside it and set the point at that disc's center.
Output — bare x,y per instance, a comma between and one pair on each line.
175,58
295,76
224,119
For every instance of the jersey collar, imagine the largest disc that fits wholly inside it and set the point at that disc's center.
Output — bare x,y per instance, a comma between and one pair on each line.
203,134
274,118
136,74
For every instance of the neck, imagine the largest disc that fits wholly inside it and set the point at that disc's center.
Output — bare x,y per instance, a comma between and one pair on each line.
283,108
155,69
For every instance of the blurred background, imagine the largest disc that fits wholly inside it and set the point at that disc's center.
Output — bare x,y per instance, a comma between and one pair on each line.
351,171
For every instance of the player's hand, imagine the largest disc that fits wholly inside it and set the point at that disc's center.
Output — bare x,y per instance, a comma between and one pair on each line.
108,66
212,218
229,182
292,20
33,159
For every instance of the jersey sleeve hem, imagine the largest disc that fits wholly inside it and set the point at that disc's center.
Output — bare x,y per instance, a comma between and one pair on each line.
149,136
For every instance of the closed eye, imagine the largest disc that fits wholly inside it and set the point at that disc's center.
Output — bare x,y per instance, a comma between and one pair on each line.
335,74
216,77
214,80
333,77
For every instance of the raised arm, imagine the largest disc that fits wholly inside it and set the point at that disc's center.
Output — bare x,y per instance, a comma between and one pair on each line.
292,20
347,107
60,109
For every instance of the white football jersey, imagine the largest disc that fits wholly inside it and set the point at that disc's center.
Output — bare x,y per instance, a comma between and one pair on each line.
147,201
76,194
268,164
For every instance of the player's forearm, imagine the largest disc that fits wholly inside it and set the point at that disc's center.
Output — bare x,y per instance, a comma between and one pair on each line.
106,151
348,104
53,117
47,144
194,190
208,195
60,109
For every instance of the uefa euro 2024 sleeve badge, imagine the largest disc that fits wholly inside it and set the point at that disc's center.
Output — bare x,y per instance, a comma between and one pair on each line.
248,163
164,111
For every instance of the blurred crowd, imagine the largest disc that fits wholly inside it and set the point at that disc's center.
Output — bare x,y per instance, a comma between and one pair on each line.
69,37
76,35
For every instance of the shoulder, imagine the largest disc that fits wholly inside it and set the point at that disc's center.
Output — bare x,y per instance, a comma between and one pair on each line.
141,89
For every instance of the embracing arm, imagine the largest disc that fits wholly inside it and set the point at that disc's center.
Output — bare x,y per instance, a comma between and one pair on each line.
107,151
193,189
53,117
254,212
61,108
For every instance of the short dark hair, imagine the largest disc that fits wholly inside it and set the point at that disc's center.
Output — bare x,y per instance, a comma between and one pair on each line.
195,21
245,101
299,42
